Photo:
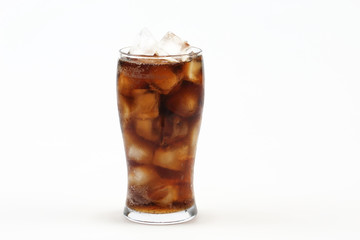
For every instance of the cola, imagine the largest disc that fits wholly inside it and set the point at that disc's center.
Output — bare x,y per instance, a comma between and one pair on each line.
160,101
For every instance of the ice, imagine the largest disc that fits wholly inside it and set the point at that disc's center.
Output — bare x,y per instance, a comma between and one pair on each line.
124,105
170,44
193,71
140,179
142,175
146,104
162,79
193,135
148,129
185,102
175,128
164,195
137,195
146,44
173,45
138,150
140,153
173,157
186,191
127,84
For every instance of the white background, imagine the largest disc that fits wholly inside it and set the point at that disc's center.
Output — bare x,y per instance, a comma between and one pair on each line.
279,149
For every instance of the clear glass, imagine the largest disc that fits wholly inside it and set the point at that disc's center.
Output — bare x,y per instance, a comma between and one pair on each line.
160,101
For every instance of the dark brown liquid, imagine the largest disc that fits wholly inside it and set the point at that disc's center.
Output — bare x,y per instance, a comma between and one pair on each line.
160,105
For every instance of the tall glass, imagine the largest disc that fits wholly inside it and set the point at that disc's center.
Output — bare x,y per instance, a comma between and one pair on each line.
160,101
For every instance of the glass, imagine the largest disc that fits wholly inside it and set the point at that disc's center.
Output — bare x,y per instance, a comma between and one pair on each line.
160,101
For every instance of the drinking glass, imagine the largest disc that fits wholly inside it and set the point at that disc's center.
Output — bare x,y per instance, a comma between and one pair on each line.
160,102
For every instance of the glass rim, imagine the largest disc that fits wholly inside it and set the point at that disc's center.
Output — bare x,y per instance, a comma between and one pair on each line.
195,52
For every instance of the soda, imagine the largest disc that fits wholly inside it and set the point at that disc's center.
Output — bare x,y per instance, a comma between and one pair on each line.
160,101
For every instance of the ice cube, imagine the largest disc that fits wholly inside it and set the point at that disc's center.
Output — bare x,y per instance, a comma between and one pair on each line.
185,102
149,129
175,128
124,105
145,104
186,193
173,44
170,44
146,44
172,157
140,179
193,71
141,175
138,150
164,195
127,83
138,195
193,135
162,79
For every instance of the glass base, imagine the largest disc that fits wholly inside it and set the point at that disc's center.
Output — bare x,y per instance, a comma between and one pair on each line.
164,218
